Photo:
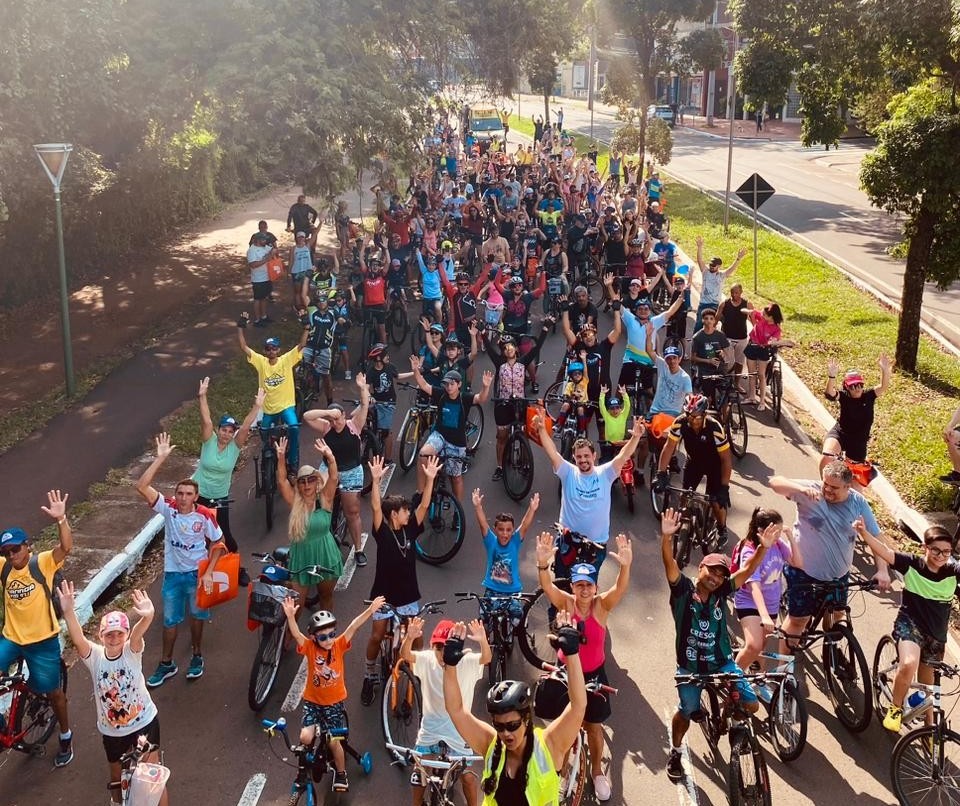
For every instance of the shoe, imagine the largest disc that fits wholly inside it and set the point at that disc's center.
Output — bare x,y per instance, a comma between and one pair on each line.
347,375
675,767
260,323
674,464
64,754
761,406
195,669
638,480
361,559
340,782
267,320
164,671
243,578
368,690
601,787
953,477
556,429
497,474
722,537
534,387
893,719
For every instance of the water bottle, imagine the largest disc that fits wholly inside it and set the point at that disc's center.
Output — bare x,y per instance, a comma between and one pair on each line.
916,698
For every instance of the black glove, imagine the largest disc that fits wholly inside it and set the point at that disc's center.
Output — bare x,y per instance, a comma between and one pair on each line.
616,305
662,481
722,496
453,651
243,321
305,320
567,640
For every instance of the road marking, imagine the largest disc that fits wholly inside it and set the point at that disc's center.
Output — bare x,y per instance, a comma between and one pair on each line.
253,790
687,788
292,701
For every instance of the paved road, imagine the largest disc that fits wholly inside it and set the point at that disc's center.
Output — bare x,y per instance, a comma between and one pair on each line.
818,199
215,748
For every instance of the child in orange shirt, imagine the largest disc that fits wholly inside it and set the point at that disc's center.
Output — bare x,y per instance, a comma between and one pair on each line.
326,691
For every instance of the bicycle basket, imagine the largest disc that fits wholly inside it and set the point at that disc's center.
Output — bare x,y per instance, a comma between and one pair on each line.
266,603
148,783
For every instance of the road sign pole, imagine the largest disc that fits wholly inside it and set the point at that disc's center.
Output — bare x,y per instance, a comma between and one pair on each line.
755,258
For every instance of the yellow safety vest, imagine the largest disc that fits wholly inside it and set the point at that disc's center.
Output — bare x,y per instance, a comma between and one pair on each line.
543,781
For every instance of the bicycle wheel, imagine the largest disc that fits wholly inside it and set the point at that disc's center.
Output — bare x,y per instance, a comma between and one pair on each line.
497,668
265,665
397,324
339,529
442,534
517,466
370,446
736,427
776,393
35,718
848,678
885,662
304,389
474,427
268,484
535,627
401,708
659,499
708,724
297,793
630,491
573,773
925,766
787,721
681,543
409,440
747,782
553,399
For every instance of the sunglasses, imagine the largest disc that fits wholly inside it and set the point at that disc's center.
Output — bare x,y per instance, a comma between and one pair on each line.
10,552
308,480
325,636
507,727
854,386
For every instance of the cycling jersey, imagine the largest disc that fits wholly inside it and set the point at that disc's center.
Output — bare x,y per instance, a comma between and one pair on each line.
374,290
703,447
323,326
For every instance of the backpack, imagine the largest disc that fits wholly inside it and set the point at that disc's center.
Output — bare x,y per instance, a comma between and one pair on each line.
34,567
735,555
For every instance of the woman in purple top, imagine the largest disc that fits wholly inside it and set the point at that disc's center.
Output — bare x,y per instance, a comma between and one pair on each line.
758,599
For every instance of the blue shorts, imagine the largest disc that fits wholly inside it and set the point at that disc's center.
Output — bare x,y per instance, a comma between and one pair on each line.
179,592
690,692
300,276
385,413
325,717
803,600
351,481
43,662
409,610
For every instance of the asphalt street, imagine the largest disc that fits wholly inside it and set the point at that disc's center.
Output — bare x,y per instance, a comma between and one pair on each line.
218,754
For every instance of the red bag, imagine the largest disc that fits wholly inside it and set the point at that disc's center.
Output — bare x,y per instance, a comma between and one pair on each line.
275,268
532,411
226,583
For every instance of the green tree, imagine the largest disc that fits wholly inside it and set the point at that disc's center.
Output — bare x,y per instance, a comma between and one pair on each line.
659,141
703,49
764,72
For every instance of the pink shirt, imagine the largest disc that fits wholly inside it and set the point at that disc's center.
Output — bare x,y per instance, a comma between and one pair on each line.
763,331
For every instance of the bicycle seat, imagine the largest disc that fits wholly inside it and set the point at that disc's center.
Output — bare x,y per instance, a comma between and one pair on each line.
339,733
282,555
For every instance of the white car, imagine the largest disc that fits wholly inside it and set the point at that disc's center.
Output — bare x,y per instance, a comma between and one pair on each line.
661,111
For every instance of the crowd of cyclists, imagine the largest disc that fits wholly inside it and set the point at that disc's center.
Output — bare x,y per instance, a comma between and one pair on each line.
490,253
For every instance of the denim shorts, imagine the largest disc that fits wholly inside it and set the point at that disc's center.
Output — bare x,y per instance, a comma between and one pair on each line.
43,662
351,481
690,692
803,600
409,610
325,717
179,592
385,413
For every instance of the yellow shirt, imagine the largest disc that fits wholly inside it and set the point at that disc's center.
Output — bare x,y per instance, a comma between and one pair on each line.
277,379
29,615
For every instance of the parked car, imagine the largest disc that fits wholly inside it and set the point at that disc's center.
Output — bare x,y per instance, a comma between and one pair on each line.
661,111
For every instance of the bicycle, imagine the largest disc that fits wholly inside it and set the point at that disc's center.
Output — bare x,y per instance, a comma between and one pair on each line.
626,479
698,525
27,719
398,324
444,526
440,788
774,375
655,442
748,781
518,465
844,664
306,387
265,613
401,703
265,468
500,615
925,761
729,411
786,706
552,306
314,761
537,621
141,783
416,424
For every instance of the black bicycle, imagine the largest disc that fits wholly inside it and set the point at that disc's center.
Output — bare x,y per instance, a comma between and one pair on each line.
518,466
445,525
398,323
729,410
501,615
265,468
698,526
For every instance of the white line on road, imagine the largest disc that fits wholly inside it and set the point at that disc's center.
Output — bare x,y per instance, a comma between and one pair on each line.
687,788
253,790
292,701
350,566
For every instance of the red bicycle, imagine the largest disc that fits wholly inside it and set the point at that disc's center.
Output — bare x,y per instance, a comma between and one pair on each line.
27,720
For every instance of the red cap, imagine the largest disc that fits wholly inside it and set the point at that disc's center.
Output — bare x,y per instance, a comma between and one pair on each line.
852,377
717,561
442,631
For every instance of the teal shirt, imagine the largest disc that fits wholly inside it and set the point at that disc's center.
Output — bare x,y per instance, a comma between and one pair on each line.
215,470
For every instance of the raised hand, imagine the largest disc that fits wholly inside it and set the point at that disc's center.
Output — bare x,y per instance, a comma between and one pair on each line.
204,385
66,593
431,466
281,446
361,380
260,397
289,606
669,521
477,497
700,241
415,628
884,362
624,552
487,377
57,504
323,449
377,468
476,631
142,605
770,535
164,448
534,504
741,253
546,548
833,366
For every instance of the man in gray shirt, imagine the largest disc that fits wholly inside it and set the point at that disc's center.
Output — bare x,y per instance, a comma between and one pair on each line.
826,511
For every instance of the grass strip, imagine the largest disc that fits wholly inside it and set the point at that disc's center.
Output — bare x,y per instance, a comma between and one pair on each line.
829,317
581,141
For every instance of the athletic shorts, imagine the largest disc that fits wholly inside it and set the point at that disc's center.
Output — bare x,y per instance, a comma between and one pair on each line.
299,277
378,315
262,290
905,629
385,413
693,475
854,448
598,703
179,592
325,717
116,746
318,359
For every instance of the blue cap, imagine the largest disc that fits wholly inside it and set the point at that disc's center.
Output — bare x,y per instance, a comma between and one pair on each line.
614,402
273,341
583,572
227,420
15,536
671,350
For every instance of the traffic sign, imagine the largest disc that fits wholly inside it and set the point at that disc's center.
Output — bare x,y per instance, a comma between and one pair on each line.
755,191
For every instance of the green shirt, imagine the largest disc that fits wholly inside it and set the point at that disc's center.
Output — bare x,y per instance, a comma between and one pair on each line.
215,470
615,428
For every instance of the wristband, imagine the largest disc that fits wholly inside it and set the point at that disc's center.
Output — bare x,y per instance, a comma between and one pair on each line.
543,567
62,520
832,377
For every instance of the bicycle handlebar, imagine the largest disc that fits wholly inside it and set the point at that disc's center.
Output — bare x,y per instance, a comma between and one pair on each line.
268,559
430,607
722,678
575,537
560,673
409,754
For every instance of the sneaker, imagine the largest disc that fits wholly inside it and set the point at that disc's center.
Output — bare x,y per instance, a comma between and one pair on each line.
534,387
361,559
497,474
675,767
164,671
64,754
722,537
953,477
601,786
243,578
340,782
196,667
260,323
893,719
347,375
368,690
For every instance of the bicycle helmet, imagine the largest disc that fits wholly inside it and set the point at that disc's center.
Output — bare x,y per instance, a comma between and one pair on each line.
377,351
333,293
436,327
462,277
516,281
575,366
446,245
636,242
321,619
695,404
507,696
507,339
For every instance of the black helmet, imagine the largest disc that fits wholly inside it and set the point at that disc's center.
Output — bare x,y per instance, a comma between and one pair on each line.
508,695
462,277
321,619
377,351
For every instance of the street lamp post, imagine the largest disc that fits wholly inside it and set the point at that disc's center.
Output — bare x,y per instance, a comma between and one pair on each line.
731,109
591,74
53,157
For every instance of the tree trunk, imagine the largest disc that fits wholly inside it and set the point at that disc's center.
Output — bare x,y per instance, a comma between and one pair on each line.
911,300
546,108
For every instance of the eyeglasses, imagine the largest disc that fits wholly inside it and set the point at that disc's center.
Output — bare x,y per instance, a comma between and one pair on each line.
325,636
11,552
938,552
507,727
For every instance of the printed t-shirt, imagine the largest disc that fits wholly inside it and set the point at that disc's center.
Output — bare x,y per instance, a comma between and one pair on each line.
29,615
185,537
703,642
325,682
277,379
927,594
503,563
123,702
585,500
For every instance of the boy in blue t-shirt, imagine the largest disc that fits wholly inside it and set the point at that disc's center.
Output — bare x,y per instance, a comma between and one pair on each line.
502,545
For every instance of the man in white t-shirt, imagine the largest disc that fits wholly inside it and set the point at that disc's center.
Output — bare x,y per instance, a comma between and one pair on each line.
436,726
585,488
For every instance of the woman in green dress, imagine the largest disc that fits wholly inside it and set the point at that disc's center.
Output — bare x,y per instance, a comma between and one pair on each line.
311,509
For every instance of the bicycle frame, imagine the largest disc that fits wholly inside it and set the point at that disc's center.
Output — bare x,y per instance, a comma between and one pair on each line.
439,775
15,687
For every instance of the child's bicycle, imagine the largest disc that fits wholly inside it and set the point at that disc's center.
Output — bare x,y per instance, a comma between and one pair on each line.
27,720
141,783
314,761
445,525
500,615
438,775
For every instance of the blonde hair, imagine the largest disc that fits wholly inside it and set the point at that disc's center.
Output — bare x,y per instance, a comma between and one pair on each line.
300,513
